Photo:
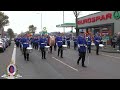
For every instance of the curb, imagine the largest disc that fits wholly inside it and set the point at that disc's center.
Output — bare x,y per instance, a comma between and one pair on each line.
107,51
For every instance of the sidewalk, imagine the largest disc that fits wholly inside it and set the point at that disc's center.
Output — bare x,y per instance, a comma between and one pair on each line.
107,49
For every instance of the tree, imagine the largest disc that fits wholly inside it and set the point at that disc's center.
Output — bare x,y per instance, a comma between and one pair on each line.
10,33
77,13
32,29
3,20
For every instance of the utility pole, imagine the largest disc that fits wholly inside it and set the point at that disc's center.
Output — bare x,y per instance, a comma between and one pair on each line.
63,22
41,21
76,13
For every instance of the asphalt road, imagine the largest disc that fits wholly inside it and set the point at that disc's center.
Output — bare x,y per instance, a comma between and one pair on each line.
103,66
5,59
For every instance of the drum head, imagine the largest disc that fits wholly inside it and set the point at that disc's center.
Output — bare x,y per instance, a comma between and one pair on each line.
101,45
47,46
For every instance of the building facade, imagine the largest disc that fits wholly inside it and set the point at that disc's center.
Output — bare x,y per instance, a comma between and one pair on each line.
105,22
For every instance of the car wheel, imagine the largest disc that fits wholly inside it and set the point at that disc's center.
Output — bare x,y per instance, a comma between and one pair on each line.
3,50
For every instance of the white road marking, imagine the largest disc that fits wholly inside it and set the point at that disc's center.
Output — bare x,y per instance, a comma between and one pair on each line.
65,64
12,62
14,55
110,56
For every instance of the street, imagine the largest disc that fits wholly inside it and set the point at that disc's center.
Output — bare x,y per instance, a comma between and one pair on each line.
103,66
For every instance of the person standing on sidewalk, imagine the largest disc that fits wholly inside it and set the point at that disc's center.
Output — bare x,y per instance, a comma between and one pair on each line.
81,48
118,41
97,40
114,40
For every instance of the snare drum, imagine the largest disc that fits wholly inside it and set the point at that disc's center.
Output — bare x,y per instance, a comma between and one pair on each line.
47,48
92,44
101,45
29,49
64,47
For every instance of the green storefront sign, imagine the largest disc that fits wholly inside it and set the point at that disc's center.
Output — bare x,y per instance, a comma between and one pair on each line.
116,15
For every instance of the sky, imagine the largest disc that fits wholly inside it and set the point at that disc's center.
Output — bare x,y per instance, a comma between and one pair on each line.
20,20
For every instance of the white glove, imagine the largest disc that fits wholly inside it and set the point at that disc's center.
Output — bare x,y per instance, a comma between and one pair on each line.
78,46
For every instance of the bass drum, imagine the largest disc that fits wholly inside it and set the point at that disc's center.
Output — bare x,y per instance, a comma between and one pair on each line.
51,41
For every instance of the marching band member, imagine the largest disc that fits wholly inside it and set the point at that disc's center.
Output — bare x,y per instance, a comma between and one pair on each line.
75,42
64,39
89,40
55,43
81,48
20,43
36,43
25,43
42,43
17,41
59,43
97,40
68,41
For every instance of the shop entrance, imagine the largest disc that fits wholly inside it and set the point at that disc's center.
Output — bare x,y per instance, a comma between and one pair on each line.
106,31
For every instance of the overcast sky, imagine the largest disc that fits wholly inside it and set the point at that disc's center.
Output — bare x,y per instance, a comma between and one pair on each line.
20,20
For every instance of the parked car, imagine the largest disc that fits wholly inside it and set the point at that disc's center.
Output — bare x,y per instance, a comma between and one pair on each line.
2,45
6,42
9,41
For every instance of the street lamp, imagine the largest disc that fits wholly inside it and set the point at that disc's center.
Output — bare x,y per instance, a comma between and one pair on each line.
41,20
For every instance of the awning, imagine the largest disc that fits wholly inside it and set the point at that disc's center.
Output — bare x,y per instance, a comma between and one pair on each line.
66,25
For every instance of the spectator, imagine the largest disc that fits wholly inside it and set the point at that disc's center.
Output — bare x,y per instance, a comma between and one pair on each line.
114,40
118,41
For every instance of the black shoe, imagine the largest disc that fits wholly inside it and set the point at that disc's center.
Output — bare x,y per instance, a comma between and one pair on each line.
97,54
61,57
44,58
84,66
27,59
77,63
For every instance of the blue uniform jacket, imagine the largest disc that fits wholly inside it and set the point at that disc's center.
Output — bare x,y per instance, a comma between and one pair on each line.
64,39
33,40
82,44
75,40
17,39
68,40
36,41
59,41
89,40
97,40
42,42
25,42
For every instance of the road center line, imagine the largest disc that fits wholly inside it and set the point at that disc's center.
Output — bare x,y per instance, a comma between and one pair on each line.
13,55
65,64
111,56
